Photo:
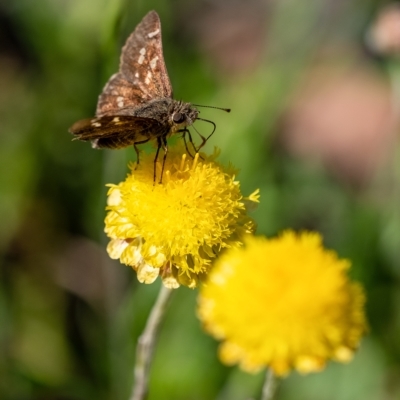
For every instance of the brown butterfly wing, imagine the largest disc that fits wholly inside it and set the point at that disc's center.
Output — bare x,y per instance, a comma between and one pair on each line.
116,132
143,75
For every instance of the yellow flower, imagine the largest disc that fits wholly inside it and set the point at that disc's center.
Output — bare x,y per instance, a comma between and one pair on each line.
177,228
283,303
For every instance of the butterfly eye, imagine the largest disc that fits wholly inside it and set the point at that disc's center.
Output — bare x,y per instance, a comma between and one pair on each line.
178,118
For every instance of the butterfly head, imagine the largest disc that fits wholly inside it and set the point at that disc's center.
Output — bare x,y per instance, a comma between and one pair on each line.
182,115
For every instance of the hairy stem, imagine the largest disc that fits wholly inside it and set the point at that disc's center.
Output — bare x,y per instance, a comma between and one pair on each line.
146,345
270,385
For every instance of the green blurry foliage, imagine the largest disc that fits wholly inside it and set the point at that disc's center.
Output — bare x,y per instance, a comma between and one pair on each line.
69,316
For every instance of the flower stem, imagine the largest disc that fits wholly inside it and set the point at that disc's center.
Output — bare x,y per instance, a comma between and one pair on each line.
146,344
270,385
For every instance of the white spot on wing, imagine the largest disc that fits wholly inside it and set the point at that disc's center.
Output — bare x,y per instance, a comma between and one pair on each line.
115,119
96,124
120,101
137,75
153,62
148,78
142,52
152,34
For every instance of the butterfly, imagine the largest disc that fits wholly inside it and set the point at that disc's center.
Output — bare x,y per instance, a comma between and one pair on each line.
136,104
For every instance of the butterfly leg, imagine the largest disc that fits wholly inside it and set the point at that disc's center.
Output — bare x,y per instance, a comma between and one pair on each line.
137,150
165,148
186,131
191,141
159,144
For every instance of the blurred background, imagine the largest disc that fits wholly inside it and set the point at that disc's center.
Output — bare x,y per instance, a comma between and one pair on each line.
314,89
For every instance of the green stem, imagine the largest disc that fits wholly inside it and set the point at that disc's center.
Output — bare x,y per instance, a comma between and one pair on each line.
146,345
270,385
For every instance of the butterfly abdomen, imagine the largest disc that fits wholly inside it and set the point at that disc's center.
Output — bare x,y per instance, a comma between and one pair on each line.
110,143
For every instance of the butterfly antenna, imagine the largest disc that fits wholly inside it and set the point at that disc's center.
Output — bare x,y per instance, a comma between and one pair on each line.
218,108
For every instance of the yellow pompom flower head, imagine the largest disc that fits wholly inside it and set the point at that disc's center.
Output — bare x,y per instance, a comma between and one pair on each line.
284,303
176,229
